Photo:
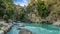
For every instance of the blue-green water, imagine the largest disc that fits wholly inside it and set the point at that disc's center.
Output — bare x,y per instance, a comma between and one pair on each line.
36,28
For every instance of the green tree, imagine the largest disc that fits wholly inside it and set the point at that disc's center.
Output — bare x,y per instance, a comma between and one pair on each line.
7,8
2,8
42,8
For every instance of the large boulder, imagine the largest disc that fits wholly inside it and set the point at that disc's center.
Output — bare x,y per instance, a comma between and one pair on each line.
24,31
57,23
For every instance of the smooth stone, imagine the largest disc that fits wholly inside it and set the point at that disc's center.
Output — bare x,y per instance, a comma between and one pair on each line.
24,31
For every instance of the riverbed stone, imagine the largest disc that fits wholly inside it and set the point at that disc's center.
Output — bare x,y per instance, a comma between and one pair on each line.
24,31
1,32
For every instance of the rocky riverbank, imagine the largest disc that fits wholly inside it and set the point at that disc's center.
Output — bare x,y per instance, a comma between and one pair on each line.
5,28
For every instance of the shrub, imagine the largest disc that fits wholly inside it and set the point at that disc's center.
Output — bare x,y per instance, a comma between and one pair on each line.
1,25
42,9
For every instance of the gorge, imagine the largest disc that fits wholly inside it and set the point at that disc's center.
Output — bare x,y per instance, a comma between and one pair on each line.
29,16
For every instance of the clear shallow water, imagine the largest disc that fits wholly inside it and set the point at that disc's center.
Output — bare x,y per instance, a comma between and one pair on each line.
14,29
36,28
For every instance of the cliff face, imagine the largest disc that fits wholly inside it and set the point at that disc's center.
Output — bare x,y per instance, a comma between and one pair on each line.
31,14
53,8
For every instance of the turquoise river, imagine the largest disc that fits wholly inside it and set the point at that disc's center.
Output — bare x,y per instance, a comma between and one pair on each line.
35,28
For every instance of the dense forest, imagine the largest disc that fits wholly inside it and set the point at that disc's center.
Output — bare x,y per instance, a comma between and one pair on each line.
6,8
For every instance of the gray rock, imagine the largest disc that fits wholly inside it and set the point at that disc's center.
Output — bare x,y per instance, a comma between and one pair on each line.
24,31
57,23
5,27
1,32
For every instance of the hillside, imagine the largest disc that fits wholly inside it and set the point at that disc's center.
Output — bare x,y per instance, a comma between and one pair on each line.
36,11
45,11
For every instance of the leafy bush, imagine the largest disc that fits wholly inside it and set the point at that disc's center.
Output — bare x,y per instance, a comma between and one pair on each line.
1,25
42,9
10,13
21,16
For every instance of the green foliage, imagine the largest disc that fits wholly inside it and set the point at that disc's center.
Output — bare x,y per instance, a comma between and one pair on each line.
10,13
6,7
21,16
5,17
28,10
42,9
1,25
2,8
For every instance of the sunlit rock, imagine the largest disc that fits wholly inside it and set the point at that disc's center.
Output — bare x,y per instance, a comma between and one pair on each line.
57,23
1,32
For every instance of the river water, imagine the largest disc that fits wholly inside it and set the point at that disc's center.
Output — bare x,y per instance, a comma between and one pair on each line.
35,28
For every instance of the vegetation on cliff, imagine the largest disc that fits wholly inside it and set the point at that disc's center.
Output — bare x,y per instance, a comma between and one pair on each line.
35,11
42,9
